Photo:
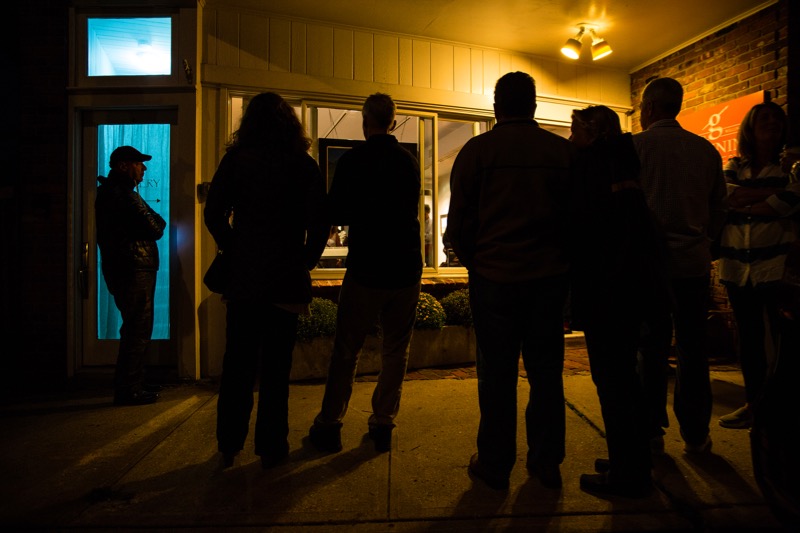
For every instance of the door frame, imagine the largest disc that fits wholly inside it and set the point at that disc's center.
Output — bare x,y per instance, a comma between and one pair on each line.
102,352
184,223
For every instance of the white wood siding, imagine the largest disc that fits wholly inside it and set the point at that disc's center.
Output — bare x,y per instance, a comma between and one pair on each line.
246,48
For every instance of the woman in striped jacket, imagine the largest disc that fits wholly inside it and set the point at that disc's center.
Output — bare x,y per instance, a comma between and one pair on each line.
754,242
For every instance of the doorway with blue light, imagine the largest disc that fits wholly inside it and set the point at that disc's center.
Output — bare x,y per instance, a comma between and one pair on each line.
101,318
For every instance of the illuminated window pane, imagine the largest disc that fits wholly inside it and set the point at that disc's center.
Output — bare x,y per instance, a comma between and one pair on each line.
339,130
129,46
453,135
152,139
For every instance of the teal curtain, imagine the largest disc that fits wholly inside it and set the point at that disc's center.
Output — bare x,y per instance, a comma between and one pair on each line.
153,139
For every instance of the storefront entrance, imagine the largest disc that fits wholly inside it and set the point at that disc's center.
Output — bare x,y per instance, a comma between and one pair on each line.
151,133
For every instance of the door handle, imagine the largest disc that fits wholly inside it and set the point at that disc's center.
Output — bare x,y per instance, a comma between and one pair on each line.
83,273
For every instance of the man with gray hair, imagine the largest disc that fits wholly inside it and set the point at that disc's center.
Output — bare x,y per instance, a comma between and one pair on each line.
376,192
681,175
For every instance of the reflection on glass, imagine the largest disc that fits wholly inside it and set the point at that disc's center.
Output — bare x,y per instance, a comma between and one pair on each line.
150,139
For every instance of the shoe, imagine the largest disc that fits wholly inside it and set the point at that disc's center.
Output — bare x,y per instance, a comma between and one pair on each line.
326,438
479,470
273,454
698,449
272,460
141,397
228,458
152,387
381,435
657,445
602,465
549,474
742,418
601,484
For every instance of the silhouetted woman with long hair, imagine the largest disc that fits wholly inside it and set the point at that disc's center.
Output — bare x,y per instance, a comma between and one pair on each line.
265,210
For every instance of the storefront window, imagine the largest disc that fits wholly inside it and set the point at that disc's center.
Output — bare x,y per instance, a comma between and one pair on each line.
453,134
334,130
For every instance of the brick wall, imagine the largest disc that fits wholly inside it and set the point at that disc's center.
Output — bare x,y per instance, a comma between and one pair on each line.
749,56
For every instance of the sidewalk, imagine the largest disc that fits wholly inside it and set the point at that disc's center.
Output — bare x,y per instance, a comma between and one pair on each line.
78,463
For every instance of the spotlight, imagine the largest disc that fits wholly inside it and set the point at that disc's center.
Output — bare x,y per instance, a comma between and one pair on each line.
600,47
572,48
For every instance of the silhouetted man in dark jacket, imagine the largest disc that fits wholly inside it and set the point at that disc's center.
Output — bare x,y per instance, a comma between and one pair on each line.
127,231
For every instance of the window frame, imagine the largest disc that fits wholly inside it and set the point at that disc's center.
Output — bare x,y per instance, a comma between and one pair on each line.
181,74
308,117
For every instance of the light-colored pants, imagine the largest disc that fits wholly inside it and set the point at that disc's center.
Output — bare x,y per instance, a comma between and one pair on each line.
360,310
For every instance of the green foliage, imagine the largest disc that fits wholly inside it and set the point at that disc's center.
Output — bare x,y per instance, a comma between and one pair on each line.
321,322
456,307
430,313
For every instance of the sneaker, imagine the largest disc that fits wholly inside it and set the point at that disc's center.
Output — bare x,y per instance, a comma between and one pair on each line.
480,471
381,435
700,448
742,418
326,438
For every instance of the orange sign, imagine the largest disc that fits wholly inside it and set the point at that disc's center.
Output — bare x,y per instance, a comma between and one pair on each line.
720,124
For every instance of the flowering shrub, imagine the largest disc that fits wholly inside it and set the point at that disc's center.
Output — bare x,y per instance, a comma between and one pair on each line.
321,322
456,307
430,313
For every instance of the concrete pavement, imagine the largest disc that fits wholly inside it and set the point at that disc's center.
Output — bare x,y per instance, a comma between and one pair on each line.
79,463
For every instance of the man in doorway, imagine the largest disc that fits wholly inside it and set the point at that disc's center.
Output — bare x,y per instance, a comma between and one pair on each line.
127,231
511,192
681,175
375,191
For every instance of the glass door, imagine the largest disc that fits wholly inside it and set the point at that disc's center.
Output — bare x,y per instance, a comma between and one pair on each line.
150,133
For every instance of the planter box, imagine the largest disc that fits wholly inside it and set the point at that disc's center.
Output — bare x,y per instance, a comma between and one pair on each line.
451,345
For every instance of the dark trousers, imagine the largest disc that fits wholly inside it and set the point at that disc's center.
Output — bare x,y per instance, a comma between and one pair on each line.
134,294
260,340
510,318
692,383
611,330
360,309
752,306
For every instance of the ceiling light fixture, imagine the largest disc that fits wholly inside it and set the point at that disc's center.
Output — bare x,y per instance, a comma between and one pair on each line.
572,48
600,47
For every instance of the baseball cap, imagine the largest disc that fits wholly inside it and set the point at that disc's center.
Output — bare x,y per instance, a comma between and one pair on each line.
127,153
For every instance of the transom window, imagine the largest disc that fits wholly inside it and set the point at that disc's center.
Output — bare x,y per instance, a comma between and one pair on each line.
129,46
